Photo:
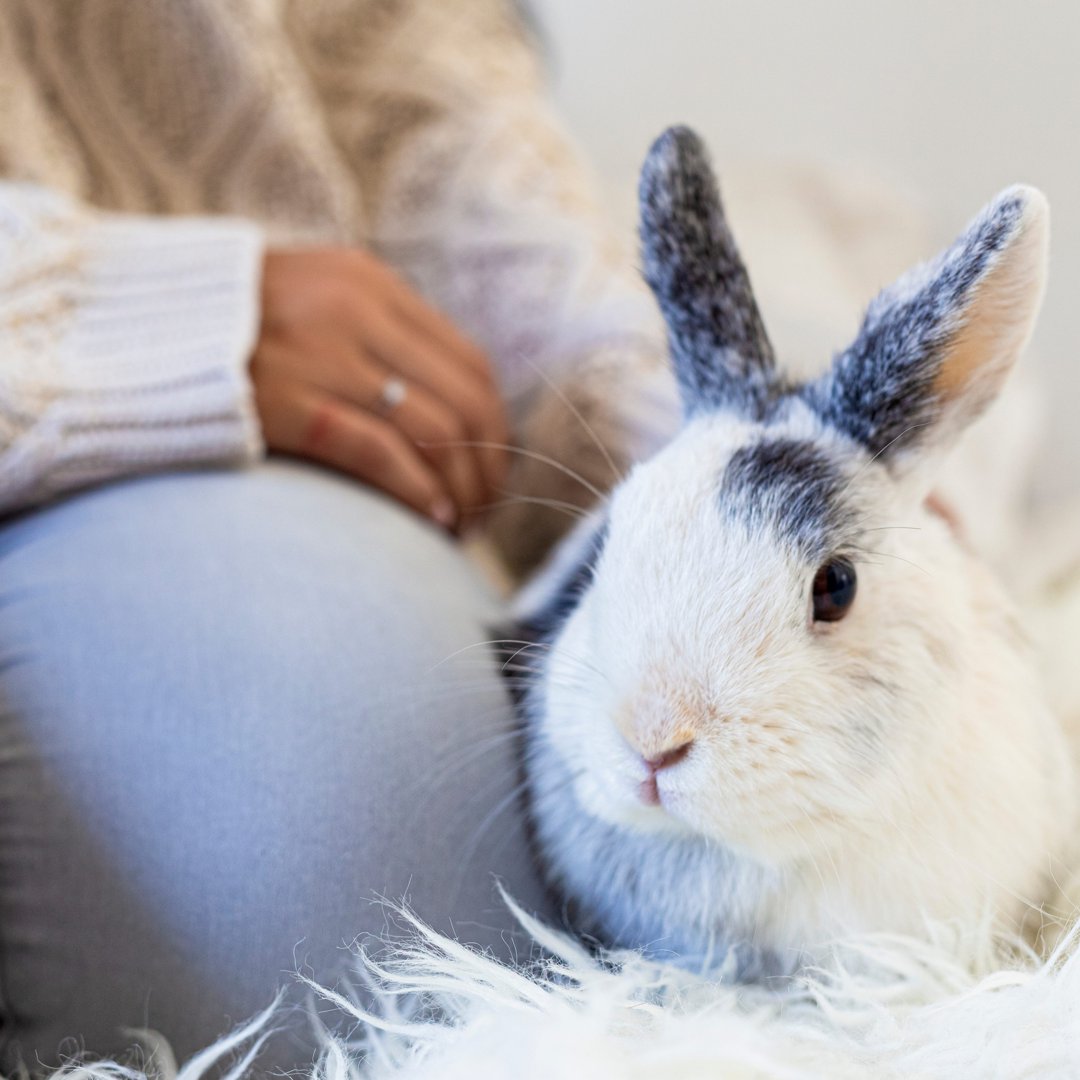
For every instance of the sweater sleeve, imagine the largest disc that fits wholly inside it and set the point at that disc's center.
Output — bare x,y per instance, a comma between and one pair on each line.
473,190
124,343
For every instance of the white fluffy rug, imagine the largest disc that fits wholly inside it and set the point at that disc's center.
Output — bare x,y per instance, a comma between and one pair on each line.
882,1008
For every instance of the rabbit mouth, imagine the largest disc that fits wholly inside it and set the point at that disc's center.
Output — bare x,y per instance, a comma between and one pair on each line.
619,800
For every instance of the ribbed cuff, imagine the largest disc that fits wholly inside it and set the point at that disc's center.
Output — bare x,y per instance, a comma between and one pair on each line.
152,369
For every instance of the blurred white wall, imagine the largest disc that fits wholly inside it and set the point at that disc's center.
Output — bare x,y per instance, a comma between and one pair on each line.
949,100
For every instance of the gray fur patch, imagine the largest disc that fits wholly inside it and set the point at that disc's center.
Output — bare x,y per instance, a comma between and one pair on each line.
719,347
544,624
791,487
881,390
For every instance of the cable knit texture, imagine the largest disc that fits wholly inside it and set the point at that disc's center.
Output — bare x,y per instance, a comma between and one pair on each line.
419,129
124,341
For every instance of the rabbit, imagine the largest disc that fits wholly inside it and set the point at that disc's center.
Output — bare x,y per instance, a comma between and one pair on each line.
771,697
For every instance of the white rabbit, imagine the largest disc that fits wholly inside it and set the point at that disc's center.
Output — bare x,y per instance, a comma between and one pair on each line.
775,698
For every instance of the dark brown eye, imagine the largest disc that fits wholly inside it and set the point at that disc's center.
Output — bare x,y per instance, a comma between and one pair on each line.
834,590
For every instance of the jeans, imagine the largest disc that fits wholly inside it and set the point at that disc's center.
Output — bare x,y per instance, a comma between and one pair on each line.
235,710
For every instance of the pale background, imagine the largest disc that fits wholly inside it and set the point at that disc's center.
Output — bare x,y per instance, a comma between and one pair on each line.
947,100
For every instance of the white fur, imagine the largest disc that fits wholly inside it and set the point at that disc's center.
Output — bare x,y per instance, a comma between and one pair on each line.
858,776
965,800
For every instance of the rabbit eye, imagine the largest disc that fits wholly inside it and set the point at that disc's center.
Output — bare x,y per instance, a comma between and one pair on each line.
834,590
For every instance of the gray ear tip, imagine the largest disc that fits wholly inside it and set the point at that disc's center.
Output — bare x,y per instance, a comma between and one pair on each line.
1019,207
677,186
1010,204
1020,195
1025,205
678,140
1018,215
677,153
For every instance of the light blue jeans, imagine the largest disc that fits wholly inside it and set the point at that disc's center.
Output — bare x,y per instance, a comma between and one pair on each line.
235,708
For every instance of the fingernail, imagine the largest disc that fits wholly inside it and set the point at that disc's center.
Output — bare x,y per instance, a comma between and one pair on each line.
444,512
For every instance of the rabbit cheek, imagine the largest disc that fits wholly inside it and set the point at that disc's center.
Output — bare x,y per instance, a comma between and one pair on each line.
601,771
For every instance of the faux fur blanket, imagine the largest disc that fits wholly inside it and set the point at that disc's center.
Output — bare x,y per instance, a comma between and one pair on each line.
887,1008
884,1008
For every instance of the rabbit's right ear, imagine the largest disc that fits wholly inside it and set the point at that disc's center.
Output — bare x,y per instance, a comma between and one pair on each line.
719,347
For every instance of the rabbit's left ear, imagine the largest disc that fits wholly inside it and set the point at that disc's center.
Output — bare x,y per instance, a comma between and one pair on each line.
719,347
935,348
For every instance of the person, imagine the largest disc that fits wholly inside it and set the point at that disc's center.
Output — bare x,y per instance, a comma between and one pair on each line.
291,296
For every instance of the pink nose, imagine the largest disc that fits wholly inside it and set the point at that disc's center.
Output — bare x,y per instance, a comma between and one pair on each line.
669,757
648,789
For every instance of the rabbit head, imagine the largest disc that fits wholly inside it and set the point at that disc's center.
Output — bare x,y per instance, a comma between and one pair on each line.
776,697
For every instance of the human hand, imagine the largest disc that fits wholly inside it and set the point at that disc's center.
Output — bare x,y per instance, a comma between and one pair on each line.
341,336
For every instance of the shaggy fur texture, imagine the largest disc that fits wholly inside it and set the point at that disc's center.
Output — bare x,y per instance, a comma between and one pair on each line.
883,1007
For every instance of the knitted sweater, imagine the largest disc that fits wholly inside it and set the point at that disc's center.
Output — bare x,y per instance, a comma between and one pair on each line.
149,150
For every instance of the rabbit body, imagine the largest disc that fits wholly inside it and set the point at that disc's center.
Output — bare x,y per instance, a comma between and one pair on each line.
722,753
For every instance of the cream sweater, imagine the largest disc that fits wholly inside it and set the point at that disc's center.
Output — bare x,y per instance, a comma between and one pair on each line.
150,148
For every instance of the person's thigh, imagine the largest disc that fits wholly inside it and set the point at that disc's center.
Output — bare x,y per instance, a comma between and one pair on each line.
234,708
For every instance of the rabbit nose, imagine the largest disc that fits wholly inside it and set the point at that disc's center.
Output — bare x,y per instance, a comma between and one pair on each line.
648,789
669,757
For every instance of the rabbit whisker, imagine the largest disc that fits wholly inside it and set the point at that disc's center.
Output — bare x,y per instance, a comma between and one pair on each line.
555,389
534,455
568,508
